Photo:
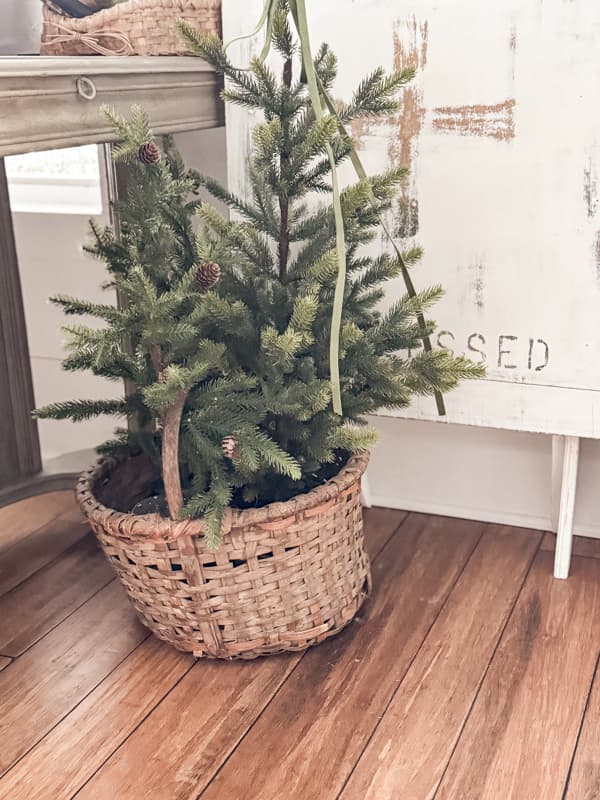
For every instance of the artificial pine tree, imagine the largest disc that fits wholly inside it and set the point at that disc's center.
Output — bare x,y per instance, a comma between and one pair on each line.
224,334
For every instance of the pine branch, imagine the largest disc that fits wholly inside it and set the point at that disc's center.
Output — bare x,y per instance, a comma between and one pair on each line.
210,48
281,37
133,131
251,213
72,305
352,439
326,66
383,268
121,366
273,455
376,94
79,410
255,246
437,370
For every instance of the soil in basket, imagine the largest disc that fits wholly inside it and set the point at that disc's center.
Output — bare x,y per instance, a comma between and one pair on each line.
282,490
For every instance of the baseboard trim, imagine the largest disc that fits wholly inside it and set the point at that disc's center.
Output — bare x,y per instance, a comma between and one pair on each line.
494,516
589,531
59,474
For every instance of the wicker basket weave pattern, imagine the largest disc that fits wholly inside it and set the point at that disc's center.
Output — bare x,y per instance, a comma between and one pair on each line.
136,27
286,576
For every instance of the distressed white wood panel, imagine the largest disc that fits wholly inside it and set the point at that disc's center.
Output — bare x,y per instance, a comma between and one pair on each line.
501,129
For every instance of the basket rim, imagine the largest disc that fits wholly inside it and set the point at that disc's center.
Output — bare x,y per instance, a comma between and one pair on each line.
277,516
107,16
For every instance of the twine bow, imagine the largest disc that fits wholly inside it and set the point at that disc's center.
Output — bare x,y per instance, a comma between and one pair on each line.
91,40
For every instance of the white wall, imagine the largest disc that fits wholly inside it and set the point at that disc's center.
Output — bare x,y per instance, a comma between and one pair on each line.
477,473
21,27
461,471
51,261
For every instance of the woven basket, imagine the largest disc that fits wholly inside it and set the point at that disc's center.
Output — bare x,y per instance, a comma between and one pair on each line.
136,27
286,576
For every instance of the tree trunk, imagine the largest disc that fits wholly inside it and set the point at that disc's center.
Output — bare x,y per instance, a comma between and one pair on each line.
284,203
170,456
171,424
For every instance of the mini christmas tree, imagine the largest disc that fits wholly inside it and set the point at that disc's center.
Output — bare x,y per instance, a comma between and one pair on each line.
224,335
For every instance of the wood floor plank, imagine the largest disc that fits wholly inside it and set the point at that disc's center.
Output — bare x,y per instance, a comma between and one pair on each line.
520,735
20,519
315,729
191,733
380,524
407,754
584,546
97,726
39,548
205,716
47,681
39,603
4,662
584,781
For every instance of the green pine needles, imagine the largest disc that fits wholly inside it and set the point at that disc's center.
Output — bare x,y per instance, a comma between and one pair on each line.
222,334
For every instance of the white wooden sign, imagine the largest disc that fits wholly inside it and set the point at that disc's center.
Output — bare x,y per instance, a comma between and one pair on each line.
501,130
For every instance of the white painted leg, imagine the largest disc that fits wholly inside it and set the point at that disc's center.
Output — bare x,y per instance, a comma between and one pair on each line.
564,532
558,454
365,494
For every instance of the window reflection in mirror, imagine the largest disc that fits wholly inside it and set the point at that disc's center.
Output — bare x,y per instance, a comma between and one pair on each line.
63,181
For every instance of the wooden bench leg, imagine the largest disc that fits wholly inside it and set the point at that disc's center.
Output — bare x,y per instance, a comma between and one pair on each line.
566,507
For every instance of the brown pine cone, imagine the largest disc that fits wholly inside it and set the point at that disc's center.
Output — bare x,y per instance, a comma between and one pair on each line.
208,274
149,153
230,447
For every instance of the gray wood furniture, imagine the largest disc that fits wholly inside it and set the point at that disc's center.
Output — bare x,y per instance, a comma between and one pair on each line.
47,103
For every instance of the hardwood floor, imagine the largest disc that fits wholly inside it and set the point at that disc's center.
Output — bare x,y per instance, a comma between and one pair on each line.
469,674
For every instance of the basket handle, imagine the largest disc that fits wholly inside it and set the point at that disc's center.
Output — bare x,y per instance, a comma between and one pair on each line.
91,40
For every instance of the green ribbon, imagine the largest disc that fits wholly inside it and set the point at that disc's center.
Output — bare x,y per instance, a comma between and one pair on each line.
299,13
318,98
410,288
266,16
